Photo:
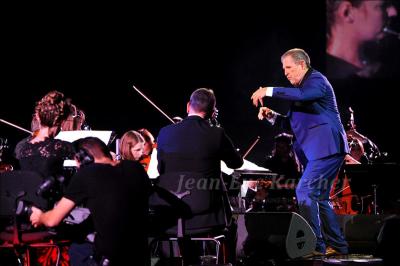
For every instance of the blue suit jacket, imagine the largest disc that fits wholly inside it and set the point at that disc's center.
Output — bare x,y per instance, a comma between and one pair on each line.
314,117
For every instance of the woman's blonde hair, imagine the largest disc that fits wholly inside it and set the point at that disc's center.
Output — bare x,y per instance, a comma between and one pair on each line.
128,140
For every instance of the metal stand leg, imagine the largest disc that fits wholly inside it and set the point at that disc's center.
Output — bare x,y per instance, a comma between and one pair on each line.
375,199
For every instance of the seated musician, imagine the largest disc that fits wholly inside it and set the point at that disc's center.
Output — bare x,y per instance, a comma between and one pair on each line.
41,152
76,119
73,118
194,146
283,160
132,146
45,155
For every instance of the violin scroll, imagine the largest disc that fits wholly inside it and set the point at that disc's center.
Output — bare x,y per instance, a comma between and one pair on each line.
213,119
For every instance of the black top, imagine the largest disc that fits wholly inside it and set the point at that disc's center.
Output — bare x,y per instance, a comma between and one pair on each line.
45,157
286,169
117,197
193,145
337,68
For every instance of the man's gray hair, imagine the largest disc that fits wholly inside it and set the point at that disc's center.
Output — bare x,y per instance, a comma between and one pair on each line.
298,55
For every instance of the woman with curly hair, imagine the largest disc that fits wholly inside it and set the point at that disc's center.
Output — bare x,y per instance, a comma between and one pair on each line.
72,118
41,152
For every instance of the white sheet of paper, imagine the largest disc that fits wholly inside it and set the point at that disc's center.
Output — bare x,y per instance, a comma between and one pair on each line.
70,163
152,171
71,136
247,165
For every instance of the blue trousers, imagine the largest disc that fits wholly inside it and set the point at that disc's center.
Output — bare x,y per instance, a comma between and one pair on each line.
313,199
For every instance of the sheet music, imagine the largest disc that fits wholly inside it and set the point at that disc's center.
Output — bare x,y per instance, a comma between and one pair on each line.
247,165
71,136
70,163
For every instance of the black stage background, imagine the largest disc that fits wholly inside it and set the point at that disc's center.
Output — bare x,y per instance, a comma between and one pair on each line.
167,53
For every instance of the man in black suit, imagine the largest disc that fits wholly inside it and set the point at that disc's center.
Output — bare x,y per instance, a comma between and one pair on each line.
189,161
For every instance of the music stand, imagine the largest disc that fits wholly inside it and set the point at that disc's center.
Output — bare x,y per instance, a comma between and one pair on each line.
71,136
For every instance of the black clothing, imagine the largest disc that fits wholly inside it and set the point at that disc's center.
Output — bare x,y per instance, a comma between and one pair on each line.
286,170
194,145
192,151
115,196
337,68
44,157
281,198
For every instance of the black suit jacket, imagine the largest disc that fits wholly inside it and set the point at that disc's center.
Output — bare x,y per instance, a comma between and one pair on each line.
189,158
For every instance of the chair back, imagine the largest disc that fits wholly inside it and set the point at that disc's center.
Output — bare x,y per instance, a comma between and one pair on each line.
204,195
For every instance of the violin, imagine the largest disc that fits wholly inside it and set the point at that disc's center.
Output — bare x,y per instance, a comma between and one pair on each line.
146,158
145,161
213,119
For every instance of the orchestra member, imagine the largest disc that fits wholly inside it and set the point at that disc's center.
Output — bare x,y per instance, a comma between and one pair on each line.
41,152
196,148
132,146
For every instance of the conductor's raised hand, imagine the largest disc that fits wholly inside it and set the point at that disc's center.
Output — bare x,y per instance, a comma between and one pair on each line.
265,112
258,95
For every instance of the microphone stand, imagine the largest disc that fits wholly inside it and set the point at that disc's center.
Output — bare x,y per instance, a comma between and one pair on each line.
392,32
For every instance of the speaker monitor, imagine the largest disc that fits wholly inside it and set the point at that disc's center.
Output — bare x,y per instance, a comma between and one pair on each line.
284,232
361,231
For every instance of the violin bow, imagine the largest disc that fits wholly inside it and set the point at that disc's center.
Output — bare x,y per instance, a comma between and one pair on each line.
251,147
151,102
13,125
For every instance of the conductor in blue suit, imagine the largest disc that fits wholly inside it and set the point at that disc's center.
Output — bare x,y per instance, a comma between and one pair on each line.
319,141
